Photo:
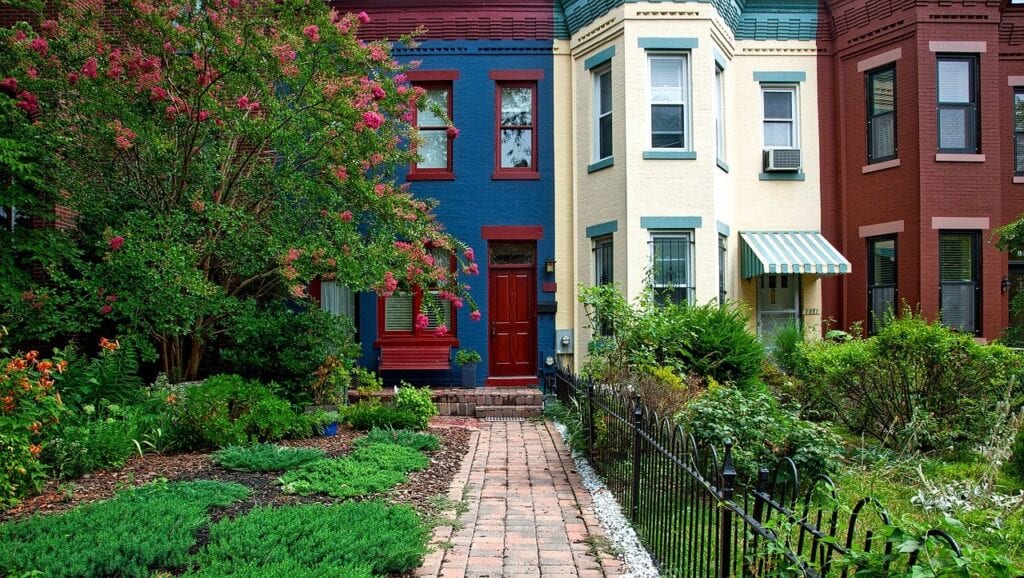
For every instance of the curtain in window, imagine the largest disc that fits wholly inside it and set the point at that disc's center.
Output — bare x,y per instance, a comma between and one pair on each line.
882,114
958,282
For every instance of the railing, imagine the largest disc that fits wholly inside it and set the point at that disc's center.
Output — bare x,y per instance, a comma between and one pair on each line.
696,519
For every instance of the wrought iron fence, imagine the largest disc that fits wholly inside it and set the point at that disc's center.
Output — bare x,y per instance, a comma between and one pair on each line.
694,516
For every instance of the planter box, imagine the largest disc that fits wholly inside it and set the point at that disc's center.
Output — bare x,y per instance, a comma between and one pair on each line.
469,375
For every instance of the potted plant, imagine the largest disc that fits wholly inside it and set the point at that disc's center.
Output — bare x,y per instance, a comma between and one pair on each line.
328,423
467,358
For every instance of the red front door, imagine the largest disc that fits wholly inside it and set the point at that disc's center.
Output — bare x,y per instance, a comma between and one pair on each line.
512,299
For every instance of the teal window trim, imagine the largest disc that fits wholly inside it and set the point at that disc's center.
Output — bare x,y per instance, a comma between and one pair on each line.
662,43
601,164
671,222
670,155
780,76
602,229
599,58
720,60
723,229
782,177
721,164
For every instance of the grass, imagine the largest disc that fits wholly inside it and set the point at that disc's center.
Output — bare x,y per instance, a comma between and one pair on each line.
401,437
264,457
352,539
138,531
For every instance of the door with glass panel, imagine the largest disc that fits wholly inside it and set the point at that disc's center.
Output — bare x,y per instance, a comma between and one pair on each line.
778,305
881,281
959,289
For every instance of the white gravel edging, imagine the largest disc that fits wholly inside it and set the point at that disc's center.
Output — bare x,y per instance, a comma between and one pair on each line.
622,536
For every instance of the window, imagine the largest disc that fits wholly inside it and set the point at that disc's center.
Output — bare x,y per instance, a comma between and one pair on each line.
517,128
435,146
672,270
779,108
882,277
603,274
959,290
669,94
723,244
397,313
602,113
881,89
1018,131
11,218
958,120
718,107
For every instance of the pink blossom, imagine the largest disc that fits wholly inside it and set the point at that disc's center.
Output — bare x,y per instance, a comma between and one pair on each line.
441,330
122,143
378,92
9,84
203,115
284,53
157,93
468,253
293,254
111,298
422,321
20,36
343,25
89,67
346,216
243,102
168,47
50,28
298,291
475,315
106,309
372,119
400,78
458,303
390,283
378,53
471,269
380,189
40,46
341,173
312,32
28,102
73,77
32,72
453,132
363,17
171,112
116,242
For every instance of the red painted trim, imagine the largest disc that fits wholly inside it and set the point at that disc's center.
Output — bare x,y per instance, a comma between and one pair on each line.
512,232
524,74
423,175
315,289
510,381
432,75
432,174
510,173
549,287
398,341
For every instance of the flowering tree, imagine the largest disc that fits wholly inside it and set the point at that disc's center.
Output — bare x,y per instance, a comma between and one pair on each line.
215,153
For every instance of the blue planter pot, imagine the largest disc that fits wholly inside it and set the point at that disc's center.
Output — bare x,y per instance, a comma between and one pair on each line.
330,429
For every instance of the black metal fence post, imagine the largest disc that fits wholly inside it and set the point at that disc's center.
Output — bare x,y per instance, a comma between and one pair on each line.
728,491
634,502
590,420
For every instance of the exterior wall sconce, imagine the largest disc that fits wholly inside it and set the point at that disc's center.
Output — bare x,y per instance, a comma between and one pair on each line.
549,265
1004,285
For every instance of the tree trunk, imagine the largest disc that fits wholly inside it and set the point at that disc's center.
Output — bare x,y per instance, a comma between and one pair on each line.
194,358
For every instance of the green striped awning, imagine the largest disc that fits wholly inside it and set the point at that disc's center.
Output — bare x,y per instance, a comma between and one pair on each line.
780,252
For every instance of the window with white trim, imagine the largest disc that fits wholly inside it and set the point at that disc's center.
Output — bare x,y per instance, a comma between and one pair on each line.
672,266
779,114
602,113
669,97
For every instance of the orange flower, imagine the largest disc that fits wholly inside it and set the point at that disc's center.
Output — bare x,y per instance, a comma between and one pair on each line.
108,344
35,427
44,366
31,355
35,450
61,366
8,402
171,399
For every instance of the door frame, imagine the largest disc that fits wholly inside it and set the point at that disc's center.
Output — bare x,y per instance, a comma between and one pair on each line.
797,291
492,269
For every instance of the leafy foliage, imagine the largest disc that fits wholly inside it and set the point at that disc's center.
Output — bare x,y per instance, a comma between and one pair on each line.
111,377
93,440
761,430
140,530
353,536
410,439
264,457
369,415
416,401
371,468
226,410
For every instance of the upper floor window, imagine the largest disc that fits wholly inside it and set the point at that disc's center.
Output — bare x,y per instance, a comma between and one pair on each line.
779,108
603,254
718,108
881,89
1018,131
669,94
602,113
672,267
435,145
958,120
516,139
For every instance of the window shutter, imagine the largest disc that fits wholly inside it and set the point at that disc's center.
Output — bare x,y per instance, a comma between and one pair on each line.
398,312
955,258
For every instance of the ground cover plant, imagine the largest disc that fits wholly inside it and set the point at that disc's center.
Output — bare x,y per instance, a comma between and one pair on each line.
367,415
370,469
264,457
389,540
140,530
411,439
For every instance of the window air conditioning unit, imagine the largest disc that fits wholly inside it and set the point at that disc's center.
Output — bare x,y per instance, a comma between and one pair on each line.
781,160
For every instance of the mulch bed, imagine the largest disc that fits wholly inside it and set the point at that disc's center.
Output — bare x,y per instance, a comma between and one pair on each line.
453,433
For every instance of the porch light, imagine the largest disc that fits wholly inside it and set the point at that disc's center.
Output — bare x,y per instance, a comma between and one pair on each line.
1004,285
549,265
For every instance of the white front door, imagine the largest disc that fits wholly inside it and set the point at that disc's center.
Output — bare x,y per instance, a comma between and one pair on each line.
778,304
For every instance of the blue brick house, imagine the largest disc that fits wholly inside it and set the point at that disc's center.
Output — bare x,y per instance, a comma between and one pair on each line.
492,70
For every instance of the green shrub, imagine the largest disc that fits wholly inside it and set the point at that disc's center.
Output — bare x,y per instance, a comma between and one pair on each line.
111,377
373,414
401,437
340,478
914,384
140,530
226,410
273,340
762,432
786,351
387,539
103,440
387,456
264,457
417,402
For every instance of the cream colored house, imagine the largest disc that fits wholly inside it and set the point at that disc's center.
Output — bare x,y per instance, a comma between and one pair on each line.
689,155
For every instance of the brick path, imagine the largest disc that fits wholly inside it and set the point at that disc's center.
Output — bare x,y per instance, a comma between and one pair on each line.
528,513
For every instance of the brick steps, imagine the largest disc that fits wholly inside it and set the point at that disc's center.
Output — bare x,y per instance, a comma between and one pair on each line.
485,402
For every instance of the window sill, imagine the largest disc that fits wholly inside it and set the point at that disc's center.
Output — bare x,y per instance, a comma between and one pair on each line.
438,176
515,176
875,167
1018,180
782,177
721,164
670,155
959,158
601,164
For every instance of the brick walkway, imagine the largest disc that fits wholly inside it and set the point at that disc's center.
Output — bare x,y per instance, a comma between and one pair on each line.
528,513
